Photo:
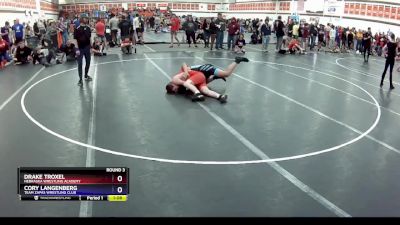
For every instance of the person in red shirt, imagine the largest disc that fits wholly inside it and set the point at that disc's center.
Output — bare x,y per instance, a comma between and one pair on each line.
175,25
294,46
100,32
4,57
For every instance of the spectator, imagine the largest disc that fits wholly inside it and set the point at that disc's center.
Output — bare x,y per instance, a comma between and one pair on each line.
5,33
367,44
101,32
278,27
190,28
220,22
126,46
213,33
4,56
63,28
23,53
332,35
175,26
83,36
114,29
126,28
98,48
18,30
390,50
233,31
240,43
70,51
266,34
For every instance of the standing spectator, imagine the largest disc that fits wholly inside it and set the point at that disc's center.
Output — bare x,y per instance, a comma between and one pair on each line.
290,30
206,29
350,37
221,25
266,34
63,28
367,43
5,31
390,50
306,35
28,31
327,35
114,29
101,32
190,28
126,28
233,31
359,41
42,28
278,28
175,25
213,33
313,35
18,31
332,35
151,21
295,30
83,36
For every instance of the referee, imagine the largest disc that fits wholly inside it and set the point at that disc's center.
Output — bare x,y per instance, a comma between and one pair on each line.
82,35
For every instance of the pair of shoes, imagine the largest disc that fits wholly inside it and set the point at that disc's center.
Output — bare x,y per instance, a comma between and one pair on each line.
80,83
198,97
223,98
195,46
381,85
240,59
391,87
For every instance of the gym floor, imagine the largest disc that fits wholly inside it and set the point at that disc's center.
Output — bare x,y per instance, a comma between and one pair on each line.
326,133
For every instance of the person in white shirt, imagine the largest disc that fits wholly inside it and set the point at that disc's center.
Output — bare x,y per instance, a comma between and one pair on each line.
332,36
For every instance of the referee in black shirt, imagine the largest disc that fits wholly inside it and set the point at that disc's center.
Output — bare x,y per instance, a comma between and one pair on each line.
82,35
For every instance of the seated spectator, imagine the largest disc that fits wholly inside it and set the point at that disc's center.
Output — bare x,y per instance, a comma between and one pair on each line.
254,38
126,46
23,54
294,47
240,43
98,48
4,55
70,51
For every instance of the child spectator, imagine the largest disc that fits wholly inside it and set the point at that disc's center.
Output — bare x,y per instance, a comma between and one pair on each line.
126,46
97,48
240,43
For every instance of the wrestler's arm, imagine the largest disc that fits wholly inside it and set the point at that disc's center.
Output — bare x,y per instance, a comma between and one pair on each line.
185,69
179,79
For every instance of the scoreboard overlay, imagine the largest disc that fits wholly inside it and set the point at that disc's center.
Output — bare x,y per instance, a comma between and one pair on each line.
72,183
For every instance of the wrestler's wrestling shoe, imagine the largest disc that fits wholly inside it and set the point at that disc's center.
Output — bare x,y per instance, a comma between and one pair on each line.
198,97
240,59
223,98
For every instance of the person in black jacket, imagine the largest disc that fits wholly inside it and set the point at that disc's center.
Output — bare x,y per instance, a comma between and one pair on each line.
83,35
278,27
126,28
190,28
390,50
23,54
213,32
